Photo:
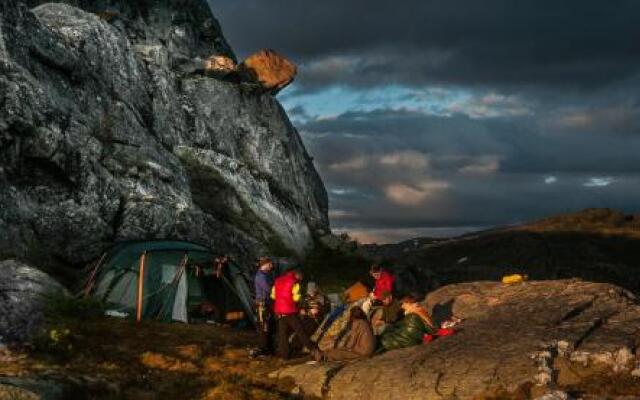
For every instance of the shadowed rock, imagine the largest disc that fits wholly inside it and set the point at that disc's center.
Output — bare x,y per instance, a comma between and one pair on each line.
23,294
518,341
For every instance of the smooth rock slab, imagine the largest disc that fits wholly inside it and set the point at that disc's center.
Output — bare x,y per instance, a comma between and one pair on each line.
507,342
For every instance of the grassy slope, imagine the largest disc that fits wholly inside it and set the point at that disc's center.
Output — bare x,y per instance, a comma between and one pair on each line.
153,360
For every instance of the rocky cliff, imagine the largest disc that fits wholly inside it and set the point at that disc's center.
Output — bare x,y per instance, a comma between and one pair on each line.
110,131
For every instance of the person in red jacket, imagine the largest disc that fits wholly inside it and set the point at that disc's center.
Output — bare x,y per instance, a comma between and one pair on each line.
384,281
286,296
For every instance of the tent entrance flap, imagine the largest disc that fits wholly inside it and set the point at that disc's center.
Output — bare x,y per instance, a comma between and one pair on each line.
179,312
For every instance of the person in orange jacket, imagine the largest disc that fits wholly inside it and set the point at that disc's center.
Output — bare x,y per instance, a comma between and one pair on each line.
286,297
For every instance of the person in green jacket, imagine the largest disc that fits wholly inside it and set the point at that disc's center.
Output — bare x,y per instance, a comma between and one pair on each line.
410,330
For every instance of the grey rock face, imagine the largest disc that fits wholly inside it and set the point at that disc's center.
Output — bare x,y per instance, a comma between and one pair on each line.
516,341
105,135
23,292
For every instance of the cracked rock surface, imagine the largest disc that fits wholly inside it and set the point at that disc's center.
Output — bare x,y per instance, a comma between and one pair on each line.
108,132
522,340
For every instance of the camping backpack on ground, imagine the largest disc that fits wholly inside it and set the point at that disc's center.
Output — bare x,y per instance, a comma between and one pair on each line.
333,328
168,281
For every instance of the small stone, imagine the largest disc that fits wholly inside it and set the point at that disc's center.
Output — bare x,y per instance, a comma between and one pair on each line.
603,358
555,395
564,348
580,357
219,65
542,378
622,359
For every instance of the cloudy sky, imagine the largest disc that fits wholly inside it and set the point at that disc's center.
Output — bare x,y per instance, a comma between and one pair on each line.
439,117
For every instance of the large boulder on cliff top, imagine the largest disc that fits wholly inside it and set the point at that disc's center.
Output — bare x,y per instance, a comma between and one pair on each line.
24,291
104,137
268,68
516,341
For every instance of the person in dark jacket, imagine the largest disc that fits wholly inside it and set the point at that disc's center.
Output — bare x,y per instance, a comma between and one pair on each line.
314,307
388,314
358,342
286,296
264,307
411,329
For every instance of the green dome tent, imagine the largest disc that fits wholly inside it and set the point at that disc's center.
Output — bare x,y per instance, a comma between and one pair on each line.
169,281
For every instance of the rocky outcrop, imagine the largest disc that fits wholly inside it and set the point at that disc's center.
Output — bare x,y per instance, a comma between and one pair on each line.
107,134
516,341
23,294
268,68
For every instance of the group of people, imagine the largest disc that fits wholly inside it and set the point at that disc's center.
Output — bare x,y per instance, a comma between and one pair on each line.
376,322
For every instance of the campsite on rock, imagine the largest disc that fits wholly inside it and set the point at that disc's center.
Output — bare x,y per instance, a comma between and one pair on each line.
434,201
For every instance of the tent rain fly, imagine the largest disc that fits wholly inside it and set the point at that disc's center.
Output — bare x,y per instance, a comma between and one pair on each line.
169,281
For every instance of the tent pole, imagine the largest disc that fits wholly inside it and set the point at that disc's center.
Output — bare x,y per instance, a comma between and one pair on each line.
91,281
140,287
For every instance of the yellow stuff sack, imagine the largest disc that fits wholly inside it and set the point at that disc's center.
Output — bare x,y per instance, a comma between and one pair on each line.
515,278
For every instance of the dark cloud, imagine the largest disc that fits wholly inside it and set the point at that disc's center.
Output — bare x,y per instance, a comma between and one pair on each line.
458,114
476,172
365,42
523,144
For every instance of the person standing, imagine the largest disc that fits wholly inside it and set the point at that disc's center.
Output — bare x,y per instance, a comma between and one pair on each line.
264,307
286,296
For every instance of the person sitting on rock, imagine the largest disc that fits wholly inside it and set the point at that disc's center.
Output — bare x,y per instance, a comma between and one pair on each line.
383,283
411,329
315,305
358,342
387,315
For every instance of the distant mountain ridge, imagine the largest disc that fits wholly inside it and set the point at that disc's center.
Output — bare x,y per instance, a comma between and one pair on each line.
600,245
